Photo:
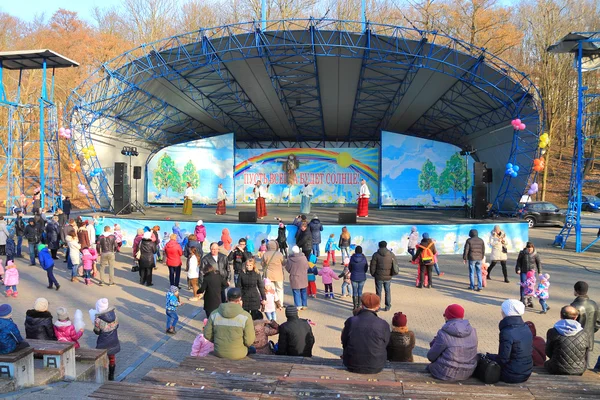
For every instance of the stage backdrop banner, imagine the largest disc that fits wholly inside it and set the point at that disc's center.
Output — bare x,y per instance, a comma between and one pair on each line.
422,172
450,239
333,173
205,163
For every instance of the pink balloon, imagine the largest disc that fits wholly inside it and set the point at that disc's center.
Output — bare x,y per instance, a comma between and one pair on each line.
522,127
61,131
517,121
68,131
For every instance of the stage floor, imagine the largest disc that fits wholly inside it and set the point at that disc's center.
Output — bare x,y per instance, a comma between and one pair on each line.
327,215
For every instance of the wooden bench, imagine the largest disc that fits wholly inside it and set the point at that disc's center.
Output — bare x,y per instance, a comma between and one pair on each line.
59,355
92,365
18,367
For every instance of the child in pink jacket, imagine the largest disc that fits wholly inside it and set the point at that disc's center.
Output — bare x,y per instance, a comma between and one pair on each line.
201,346
327,275
11,279
89,256
64,329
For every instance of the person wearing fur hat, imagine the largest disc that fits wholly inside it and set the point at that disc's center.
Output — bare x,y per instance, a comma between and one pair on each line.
64,329
365,338
295,335
173,302
47,263
38,321
147,263
106,326
515,350
453,350
10,337
402,341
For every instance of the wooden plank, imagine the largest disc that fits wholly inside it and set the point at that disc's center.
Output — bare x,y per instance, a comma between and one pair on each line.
82,354
340,373
336,390
50,347
459,391
16,356
122,390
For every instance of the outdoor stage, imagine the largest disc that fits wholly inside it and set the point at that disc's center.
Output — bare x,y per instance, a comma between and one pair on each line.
448,227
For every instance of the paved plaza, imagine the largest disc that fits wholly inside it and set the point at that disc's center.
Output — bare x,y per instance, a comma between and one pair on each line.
144,344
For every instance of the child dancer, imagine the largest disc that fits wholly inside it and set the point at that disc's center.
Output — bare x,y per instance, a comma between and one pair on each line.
347,284
202,346
542,291
312,280
331,247
327,275
11,279
64,329
528,289
88,264
172,304
272,300
47,263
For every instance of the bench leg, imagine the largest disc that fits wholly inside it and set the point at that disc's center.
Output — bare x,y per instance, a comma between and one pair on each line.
21,371
102,369
69,365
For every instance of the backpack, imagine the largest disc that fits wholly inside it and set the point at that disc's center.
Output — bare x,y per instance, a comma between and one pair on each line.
427,254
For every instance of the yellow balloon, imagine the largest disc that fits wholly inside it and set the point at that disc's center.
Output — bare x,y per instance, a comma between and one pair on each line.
543,145
86,156
92,153
544,136
91,148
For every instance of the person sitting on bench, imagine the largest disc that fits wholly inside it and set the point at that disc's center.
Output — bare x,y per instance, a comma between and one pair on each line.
567,345
10,337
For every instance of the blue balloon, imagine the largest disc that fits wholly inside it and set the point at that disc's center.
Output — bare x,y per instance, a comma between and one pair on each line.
516,168
509,166
514,174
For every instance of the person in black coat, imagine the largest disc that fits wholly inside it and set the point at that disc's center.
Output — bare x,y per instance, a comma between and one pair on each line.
20,232
253,290
295,336
588,313
304,240
146,261
53,236
567,345
238,258
358,274
38,322
213,284
365,338
67,206
315,228
528,260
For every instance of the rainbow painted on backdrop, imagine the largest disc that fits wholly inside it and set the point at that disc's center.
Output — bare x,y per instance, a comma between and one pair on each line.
338,157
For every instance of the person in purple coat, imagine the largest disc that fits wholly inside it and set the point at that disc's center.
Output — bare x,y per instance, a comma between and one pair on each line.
453,351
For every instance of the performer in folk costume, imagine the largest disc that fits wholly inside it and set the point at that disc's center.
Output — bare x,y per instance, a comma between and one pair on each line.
306,192
187,202
363,199
290,166
221,198
260,193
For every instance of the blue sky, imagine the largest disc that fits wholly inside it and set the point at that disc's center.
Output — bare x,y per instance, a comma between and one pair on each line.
26,10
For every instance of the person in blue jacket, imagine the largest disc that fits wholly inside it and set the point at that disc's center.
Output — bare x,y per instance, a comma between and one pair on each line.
10,337
47,263
358,275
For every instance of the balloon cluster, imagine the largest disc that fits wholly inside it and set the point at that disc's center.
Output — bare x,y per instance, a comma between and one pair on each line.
75,167
539,164
512,170
64,133
95,172
82,189
518,125
88,152
533,189
544,141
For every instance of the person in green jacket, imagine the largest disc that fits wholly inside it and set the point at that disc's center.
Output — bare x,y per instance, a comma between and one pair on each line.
230,328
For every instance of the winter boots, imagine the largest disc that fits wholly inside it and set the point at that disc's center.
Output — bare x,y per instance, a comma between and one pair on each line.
8,293
111,372
87,281
355,302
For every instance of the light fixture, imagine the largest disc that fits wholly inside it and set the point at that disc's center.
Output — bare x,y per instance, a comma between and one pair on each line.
130,151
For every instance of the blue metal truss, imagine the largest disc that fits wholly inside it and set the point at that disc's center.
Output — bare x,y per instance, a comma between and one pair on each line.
118,100
588,106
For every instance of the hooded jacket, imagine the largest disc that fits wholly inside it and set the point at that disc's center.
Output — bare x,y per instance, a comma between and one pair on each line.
173,253
9,336
358,267
515,350
296,266
295,338
38,325
88,259
272,262
200,232
53,234
231,329
539,346
381,264
413,238
83,237
327,275
106,326
74,250
527,261
65,332
179,233
45,258
315,228
365,338
589,316
453,351
474,247
11,276
567,347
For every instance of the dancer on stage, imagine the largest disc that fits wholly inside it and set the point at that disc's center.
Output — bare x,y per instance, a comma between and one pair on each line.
187,202
363,200
260,193
221,197
306,193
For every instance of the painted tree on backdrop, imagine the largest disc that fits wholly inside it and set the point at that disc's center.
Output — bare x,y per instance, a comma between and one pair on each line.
454,177
428,178
190,174
166,175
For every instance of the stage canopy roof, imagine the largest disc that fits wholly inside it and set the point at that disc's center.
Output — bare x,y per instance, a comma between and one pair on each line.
318,81
34,59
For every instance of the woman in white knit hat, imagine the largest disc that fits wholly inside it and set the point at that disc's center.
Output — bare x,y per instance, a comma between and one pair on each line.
38,321
106,325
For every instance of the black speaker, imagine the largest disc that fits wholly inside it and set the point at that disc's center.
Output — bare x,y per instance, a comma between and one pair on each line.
347,218
247,216
487,175
137,172
479,174
120,171
480,201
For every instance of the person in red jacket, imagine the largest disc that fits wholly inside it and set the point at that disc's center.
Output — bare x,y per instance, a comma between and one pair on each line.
173,253
539,346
